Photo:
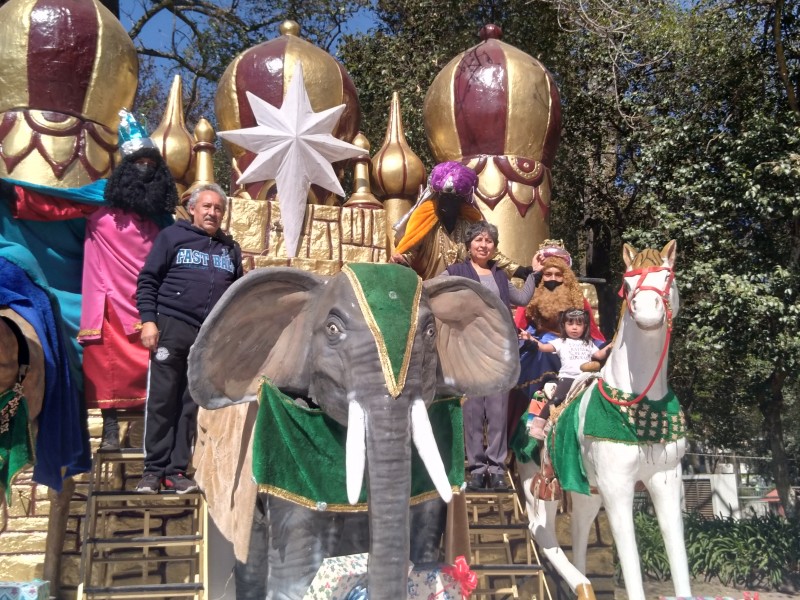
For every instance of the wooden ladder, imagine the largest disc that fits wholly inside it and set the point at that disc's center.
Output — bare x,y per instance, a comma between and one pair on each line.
140,545
504,556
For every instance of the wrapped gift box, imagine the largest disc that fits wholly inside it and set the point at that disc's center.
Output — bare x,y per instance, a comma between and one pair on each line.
27,590
699,598
345,578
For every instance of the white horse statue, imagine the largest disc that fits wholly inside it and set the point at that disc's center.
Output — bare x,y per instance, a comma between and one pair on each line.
649,433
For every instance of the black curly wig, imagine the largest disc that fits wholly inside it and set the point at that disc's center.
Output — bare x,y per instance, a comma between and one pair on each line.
148,194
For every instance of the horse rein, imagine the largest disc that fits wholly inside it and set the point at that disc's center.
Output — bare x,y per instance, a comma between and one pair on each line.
664,295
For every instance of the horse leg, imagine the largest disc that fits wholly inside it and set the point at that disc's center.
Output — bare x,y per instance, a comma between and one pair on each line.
526,472
616,470
542,523
665,492
584,511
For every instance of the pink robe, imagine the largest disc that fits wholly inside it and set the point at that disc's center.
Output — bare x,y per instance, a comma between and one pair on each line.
114,361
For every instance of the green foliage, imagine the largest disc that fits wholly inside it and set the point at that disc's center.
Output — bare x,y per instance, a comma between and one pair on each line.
652,554
759,551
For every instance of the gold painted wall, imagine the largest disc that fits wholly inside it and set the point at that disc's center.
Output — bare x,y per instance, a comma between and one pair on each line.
330,236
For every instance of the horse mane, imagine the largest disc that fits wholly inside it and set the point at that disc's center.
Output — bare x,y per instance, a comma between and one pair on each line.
649,257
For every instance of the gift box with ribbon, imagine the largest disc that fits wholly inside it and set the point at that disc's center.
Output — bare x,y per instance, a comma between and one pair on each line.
345,578
28,590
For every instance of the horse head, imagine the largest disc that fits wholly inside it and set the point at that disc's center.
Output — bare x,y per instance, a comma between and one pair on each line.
648,286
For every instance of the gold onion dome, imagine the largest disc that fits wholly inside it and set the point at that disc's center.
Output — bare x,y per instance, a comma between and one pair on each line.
398,171
498,110
266,70
66,69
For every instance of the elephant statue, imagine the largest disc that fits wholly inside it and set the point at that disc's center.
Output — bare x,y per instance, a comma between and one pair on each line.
371,349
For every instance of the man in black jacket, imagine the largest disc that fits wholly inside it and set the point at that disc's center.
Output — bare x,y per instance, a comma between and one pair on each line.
187,271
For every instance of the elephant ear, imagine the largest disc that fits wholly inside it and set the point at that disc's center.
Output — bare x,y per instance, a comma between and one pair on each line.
476,339
260,326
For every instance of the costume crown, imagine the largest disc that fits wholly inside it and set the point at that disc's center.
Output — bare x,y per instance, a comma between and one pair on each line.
555,248
132,134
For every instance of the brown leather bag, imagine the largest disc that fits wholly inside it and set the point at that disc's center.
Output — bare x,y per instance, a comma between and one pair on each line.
545,485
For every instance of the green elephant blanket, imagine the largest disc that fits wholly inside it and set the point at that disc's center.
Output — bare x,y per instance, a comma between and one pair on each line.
299,453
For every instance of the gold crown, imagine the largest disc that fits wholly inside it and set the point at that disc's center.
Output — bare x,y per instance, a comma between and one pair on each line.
552,244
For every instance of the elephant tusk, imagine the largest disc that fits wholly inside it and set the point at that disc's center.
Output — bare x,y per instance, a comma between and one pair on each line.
356,450
422,434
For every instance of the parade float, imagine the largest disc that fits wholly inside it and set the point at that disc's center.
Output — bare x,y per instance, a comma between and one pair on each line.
492,108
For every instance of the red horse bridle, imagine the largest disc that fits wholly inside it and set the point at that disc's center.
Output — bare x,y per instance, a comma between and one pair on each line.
664,294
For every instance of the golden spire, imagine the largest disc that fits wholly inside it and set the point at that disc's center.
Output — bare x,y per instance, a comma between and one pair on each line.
397,170
204,163
290,27
173,139
362,194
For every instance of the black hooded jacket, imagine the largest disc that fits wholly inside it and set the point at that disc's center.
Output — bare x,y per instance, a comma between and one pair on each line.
186,273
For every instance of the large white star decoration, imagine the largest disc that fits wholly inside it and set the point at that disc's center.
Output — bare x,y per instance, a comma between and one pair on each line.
294,147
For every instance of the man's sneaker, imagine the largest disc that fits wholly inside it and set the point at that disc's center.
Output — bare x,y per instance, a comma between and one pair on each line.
150,483
180,484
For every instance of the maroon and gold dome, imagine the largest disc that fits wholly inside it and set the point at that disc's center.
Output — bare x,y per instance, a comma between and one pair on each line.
498,110
266,70
66,69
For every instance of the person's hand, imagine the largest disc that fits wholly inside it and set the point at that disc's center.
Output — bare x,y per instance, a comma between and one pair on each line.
149,335
537,263
524,335
398,259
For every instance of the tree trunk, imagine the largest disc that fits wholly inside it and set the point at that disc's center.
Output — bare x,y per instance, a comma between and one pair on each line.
771,405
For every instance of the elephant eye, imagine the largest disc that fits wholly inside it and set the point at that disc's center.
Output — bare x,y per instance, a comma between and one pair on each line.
334,328
430,331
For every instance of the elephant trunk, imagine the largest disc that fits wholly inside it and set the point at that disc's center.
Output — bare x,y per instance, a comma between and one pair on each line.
389,488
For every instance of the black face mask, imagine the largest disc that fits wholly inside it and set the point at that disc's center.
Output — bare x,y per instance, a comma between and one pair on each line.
146,171
552,284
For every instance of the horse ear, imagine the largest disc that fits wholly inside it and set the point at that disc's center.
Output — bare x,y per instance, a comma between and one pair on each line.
260,327
668,253
476,340
628,254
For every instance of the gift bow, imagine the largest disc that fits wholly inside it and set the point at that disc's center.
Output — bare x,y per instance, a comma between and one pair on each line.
461,573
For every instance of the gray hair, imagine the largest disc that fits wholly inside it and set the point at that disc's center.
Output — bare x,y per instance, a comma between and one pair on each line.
208,187
475,229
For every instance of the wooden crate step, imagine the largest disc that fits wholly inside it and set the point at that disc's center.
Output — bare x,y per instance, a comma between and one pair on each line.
146,542
124,496
166,590
509,570
138,558
509,528
123,454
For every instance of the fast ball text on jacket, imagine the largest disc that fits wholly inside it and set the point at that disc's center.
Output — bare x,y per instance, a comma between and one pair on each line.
186,272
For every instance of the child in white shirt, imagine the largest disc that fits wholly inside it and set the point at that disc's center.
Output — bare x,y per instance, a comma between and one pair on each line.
574,348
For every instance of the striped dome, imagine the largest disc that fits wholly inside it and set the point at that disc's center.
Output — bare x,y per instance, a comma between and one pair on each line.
493,99
266,70
66,69
498,111
73,58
